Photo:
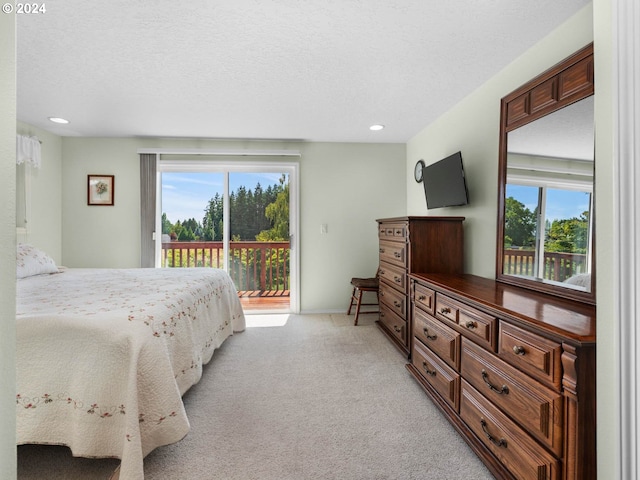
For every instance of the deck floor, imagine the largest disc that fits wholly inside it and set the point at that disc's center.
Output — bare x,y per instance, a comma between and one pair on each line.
255,300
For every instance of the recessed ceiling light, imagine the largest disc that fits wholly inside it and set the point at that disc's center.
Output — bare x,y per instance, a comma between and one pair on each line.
58,120
376,127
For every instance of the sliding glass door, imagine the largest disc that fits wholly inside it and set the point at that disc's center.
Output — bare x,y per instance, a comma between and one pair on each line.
259,238
235,217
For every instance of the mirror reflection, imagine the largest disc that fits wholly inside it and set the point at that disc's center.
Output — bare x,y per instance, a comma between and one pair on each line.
549,198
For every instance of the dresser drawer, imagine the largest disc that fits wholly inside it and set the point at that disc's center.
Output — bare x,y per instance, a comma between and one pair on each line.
393,323
424,297
520,453
536,408
442,340
393,252
531,353
438,374
477,325
394,300
394,275
393,231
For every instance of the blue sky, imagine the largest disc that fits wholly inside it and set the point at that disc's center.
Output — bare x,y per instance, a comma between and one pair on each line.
560,203
185,195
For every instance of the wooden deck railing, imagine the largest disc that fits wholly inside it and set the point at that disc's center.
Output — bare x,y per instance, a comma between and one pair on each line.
253,266
557,266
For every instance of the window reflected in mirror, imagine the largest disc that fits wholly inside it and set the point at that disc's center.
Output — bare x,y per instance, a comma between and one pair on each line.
546,234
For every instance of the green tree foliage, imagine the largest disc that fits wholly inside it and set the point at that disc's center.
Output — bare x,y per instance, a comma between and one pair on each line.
212,221
184,231
278,213
568,235
519,224
166,224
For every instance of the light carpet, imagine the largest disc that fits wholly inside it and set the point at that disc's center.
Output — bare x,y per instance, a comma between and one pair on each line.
312,398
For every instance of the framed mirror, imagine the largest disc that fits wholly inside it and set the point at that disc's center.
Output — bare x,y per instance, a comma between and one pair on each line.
546,224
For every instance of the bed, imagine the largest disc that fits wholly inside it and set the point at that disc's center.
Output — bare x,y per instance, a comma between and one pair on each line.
105,355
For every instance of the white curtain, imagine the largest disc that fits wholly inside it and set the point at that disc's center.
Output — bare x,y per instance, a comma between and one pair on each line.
28,150
148,169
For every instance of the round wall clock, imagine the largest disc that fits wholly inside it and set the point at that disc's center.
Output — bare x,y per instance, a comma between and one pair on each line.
417,172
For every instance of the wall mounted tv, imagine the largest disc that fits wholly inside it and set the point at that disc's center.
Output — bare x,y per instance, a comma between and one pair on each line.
444,182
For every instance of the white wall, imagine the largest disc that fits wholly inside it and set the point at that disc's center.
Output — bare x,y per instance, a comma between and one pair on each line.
101,236
607,328
7,246
346,186
472,127
45,224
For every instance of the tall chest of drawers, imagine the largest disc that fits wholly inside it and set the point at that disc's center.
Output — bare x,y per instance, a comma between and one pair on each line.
513,370
408,245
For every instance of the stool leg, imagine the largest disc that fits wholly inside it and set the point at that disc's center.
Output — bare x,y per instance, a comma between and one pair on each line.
358,306
353,294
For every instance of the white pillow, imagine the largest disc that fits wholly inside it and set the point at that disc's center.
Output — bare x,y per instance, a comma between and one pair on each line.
31,261
581,280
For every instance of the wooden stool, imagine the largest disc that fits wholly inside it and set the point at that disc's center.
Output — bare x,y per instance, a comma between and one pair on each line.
361,285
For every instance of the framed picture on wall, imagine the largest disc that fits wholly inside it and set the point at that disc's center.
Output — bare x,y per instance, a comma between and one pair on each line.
100,189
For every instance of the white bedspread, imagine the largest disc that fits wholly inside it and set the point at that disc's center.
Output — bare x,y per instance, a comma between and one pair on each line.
104,356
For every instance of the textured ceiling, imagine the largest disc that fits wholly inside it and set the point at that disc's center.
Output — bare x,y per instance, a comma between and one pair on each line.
566,133
316,70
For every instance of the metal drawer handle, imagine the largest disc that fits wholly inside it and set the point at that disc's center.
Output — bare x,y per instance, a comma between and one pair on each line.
503,390
426,369
499,443
397,328
471,325
397,254
422,298
430,337
519,350
397,279
381,250
382,272
397,304
445,310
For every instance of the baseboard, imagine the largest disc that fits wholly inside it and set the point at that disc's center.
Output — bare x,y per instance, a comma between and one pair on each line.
323,311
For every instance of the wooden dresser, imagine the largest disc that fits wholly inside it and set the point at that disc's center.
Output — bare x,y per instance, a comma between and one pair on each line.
512,369
408,245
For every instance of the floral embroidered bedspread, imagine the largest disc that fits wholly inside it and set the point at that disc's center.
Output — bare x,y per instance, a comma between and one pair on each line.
105,355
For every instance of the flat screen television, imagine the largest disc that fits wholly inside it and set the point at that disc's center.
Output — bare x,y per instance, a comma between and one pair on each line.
444,182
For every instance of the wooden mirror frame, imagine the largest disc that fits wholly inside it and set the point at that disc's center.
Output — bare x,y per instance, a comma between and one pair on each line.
563,84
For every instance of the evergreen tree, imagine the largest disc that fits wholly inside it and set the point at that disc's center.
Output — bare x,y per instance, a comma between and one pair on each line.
212,221
177,229
186,235
166,224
